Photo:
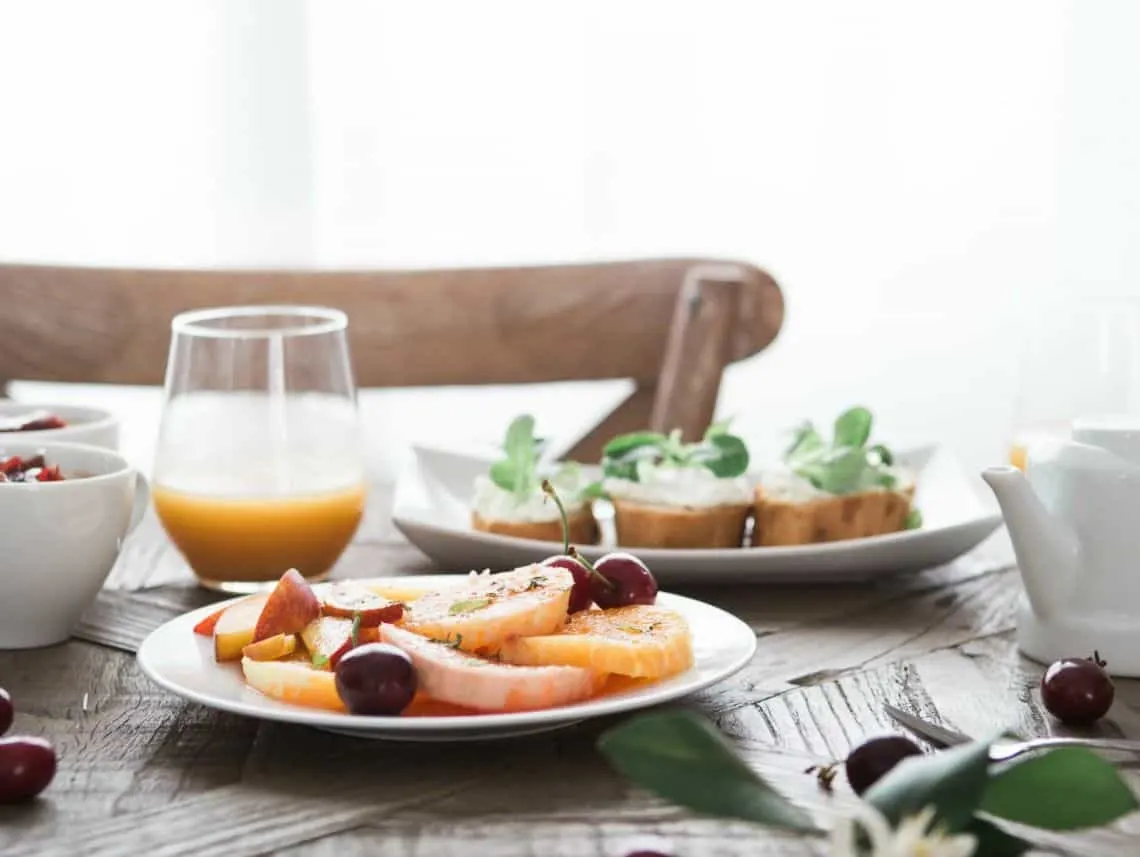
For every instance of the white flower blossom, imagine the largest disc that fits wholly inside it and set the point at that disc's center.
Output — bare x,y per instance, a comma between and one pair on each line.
912,838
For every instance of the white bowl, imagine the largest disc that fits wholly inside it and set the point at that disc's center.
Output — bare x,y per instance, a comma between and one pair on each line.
84,425
62,538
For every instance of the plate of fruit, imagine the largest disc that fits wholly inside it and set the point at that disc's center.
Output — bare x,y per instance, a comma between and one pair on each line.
446,658
837,506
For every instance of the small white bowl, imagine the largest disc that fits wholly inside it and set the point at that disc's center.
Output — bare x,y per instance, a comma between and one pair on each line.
61,538
84,425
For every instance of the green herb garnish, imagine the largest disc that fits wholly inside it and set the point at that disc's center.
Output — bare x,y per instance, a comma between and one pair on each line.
320,660
516,472
470,605
355,635
913,520
724,454
847,464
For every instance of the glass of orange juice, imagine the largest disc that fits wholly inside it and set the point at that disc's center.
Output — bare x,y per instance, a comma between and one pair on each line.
259,466
1079,358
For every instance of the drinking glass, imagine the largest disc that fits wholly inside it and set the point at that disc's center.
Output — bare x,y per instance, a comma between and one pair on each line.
1078,359
259,466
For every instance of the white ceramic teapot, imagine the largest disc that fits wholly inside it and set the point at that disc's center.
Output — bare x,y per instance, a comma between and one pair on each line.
1075,526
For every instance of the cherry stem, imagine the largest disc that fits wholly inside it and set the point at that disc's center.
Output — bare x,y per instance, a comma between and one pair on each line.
1096,660
568,548
549,491
573,552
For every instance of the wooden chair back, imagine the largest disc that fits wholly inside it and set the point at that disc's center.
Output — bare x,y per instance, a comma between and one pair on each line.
670,325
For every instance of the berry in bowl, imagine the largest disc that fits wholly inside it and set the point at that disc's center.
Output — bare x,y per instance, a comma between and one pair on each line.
23,422
72,506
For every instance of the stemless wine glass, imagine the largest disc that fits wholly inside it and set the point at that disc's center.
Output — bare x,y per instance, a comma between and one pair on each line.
1079,358
259,466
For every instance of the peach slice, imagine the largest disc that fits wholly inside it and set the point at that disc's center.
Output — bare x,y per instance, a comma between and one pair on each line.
295,682
291,606
234,628
396,589
205,628
327,639
348,599
271,648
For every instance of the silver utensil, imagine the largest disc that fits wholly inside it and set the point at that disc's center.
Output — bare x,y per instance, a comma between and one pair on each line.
1005,748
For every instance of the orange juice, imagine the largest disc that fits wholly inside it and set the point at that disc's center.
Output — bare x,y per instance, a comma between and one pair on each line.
257,539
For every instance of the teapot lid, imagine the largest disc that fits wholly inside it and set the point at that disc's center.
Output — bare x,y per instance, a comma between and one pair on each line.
1117,433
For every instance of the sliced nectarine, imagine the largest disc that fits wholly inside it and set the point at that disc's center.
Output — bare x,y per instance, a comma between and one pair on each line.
233,630
296,682
271,648
291,606
327,639
348,599
205,628
395,589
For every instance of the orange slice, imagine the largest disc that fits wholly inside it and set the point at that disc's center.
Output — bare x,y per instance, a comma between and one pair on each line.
485,610
641,641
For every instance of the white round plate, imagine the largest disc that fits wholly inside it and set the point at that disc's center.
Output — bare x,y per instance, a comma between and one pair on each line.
432,509
183,663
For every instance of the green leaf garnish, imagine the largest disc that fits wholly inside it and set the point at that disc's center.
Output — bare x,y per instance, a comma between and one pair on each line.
683,758
724,454
516,471
355,634
913,519
1066,789
320,660
470,605
853,427
952,781
847,465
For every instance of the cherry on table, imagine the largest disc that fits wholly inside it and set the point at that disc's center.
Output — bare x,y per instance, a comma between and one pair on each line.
624,580
873,759
375,679
580,595
1077,691
7,711
27,765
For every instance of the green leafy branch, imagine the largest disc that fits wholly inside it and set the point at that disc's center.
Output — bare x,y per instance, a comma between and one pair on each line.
846,464
720,452
683,758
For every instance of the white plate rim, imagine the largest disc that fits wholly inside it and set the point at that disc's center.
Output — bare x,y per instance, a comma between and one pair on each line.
648,697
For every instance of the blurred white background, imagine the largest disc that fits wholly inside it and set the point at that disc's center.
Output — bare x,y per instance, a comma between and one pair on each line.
921,178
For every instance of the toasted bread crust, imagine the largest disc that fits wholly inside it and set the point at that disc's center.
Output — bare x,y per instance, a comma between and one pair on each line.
643,526
830,519
583,528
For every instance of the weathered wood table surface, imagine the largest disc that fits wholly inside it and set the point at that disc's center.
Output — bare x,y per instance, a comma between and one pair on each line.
142,772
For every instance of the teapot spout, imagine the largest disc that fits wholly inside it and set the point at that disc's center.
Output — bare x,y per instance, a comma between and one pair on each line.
1047,550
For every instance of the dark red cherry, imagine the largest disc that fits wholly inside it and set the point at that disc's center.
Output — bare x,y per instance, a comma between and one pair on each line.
7,711
27,765
376,679
872,759
622,579
1076,691
580,597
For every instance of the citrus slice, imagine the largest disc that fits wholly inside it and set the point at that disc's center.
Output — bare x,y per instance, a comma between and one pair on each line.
641,641
485,610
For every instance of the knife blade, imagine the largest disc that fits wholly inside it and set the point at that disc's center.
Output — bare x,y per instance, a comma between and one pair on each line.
932,732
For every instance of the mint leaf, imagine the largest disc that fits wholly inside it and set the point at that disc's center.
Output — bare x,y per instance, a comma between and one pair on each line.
683,758
516,472
468,606
728,455
320,660
913,520
1065,789
853,427
806,441
623,444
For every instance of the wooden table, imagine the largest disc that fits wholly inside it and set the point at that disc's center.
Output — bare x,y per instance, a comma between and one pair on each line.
142,772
